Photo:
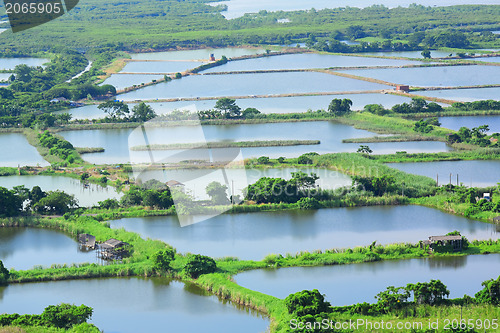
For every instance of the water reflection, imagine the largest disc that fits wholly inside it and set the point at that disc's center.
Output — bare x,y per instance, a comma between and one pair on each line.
255,235
23,248
462,275
135,305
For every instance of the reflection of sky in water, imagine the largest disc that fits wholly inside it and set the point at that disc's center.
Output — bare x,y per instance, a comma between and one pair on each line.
330,134
255,235
130,305
338,281
23,248
467,171
264,105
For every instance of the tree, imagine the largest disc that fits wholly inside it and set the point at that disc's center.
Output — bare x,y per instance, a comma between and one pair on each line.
339,107
56,202
304,159
151,198
115,109
143,112
66,315
364,150
162,259
4,274
377,109
250,113
199,264
393,298
263,160
307,302
426,54
490,294
217,193
303,181
109,204
228,107
430,293
10,203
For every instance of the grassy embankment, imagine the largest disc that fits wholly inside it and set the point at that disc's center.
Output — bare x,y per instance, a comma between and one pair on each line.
238,144
390,125
221,282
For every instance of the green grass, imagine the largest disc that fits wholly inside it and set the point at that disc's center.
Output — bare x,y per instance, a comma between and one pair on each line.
224,144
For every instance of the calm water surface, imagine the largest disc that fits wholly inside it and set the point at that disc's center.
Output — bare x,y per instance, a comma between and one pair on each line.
117,142
464,95
467,171
86,196
202,54
121,81
135,305
15,150
237,8
339,282
303,61
249,84
160,67
23,248
10,63
255,235
471,121
264,105
489,59
410,54
448,76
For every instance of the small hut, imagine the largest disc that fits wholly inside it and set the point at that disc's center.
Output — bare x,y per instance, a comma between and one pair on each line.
455,241
86,241
496,219
403,88
113,249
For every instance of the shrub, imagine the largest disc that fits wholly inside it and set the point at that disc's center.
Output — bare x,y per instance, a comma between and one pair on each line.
162,259
199,264
307,302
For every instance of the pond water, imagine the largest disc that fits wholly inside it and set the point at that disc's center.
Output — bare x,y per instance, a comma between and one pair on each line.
5,76
471,121
237,8
464,95
15,150
410,54
200,54
10,63
23,248
116,141
160,66
489,59
338,282
249,84
196,180
255,235
448,76
305,61
467,171
121,81
135,305
86,196
265,105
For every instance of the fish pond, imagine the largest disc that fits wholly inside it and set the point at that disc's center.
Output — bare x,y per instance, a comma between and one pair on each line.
255,235
339,282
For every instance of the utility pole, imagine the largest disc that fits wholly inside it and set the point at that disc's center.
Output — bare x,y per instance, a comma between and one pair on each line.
457,180
450,178
437,180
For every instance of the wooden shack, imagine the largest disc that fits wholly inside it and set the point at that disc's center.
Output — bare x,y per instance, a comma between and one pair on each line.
455,241
403,88
86,241
113,249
